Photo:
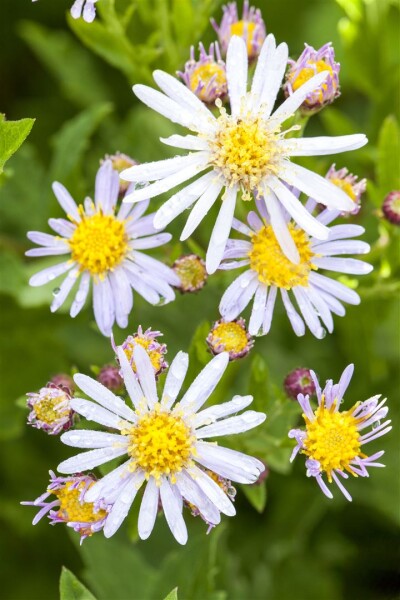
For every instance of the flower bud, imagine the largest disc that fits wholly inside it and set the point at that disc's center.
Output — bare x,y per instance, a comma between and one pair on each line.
391,207
120,162
191,270
231,337
207,76
110,377
250,27
154,349
299,381
50,410
349,184
65,382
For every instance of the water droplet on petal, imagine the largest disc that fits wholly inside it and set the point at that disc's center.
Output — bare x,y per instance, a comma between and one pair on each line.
376,425
56,291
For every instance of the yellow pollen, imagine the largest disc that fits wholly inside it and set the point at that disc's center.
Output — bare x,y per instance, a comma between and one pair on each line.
99,243
333,439
315,67
72,509
345,186
46,410
231,336
160,443
203,74
156,357
245,30
244,151
272,266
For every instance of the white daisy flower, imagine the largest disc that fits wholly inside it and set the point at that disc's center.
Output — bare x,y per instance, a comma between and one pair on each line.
243,151
269,271
104,246
162,440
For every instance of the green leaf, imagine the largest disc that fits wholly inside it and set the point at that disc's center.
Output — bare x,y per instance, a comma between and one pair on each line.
173,595
71,588
12,134
12,276
388,156
256,494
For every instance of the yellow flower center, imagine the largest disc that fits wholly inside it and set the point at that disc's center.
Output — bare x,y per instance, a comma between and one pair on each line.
332,439
160,443
345,186
244,151
315,67
231,336
272,266
203,74
46,410
191,271
72,509
245,30
99,243
156,357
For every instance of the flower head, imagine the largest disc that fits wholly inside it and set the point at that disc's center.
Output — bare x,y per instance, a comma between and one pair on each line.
65,382
104,246
268,271
251,27
349,184
207,76
299,381
147,340
241,151
69,506
307,66
192,273
110,377
391,207
85,9
161,441
50,409
231,337
120,162
333,439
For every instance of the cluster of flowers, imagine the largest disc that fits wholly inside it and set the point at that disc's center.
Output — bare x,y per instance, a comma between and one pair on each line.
245,153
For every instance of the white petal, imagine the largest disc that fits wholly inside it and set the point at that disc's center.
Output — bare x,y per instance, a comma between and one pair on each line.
320,306
50,273
66,201
258,310
106,188
213,492
308,312
236,72
93,412
103,306
318,146
165,106
130,381
89,460
81,295
279,225
221,231
123,503
231,425
156,268
87,438
291,104
110,483
201,208
351,266
148,509
293,316
193,494
229,304
175,377
62,227
146,376
264,61
172,512
208,415
186,142
152,241
64,289
48,251
274,73
335,288
205,383
94,389
45,239
229,466
152,171
122,293
342,247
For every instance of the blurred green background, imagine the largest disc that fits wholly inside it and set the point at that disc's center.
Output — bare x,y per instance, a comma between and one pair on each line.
75,80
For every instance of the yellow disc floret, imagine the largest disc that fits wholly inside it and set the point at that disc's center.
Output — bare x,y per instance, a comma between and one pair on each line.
244,151
332,439
51,409
314,67
160,443
156,357
232,336
203,75
345,186
73,509
99,243
272,266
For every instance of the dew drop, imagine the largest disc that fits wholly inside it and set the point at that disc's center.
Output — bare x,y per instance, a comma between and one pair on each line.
376,425
56,291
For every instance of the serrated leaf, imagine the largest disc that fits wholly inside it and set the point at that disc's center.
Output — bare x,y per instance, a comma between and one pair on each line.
388,156
71,588
12,135
173,595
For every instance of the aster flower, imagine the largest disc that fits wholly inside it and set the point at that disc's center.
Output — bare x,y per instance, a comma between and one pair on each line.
50,409
299,381
147,340
104,246
192,273
245,150
333,440
350,184
251,27
206,77
268,270
231,337
162,440
391,207
69,506
307,66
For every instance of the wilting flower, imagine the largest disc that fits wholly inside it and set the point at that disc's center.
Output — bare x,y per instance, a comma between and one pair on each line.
69,506
50,409
231,337
147,340
251,27
391,207
110,377
162,441
349,184
299,381
192,273
244,150
333,440
268,270
307,66
120,162
104,246
64,381
207,76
